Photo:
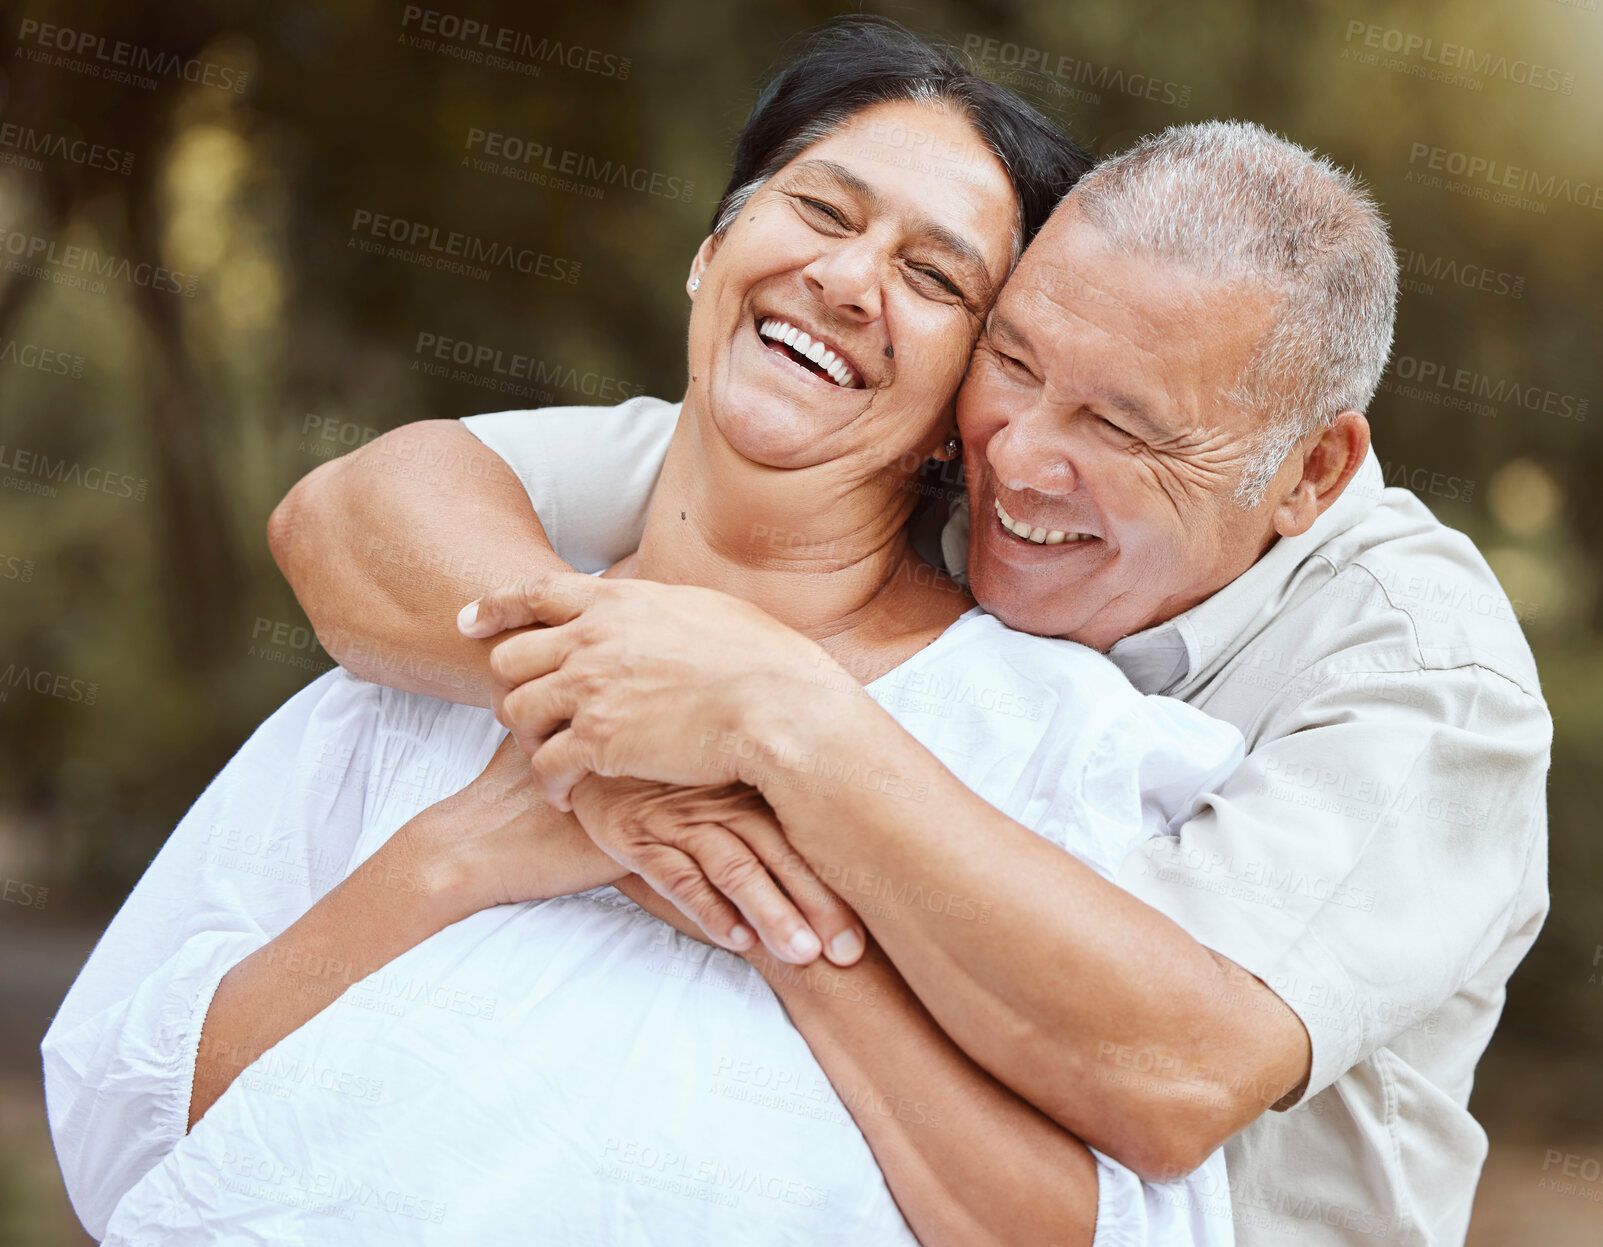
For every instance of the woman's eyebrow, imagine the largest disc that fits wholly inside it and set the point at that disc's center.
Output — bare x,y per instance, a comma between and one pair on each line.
836,172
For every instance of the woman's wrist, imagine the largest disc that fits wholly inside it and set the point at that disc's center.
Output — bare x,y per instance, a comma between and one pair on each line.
821,983
435,865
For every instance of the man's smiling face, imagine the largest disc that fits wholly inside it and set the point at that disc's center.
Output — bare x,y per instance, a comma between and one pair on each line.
1095,418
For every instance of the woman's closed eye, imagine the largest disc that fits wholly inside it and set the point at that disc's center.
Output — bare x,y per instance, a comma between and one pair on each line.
926,276
820,211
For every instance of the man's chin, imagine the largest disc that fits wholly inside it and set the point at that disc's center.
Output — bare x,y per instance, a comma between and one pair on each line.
1021,612
1062,614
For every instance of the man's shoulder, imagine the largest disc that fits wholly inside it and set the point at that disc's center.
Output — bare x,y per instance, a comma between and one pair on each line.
1415,592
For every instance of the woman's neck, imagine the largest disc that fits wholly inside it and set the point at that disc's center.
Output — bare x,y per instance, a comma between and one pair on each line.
819,551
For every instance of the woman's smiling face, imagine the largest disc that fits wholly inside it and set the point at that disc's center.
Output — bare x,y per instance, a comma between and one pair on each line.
884,243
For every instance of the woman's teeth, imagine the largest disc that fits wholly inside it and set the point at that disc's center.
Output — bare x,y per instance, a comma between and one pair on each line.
1040,536
837,369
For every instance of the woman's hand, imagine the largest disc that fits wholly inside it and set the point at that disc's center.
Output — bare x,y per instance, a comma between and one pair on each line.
715,851
497,842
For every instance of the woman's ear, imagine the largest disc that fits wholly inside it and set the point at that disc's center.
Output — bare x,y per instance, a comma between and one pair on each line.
949,444
698,266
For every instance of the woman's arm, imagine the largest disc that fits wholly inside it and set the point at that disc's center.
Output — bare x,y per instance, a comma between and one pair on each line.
270,836
493,843
968,1161
489,844
385,545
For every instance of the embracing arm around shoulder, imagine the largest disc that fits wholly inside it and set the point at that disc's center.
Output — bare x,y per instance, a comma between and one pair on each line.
385,545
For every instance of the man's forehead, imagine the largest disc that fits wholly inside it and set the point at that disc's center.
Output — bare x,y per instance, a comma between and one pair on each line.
1073,264
1066,291
1071,279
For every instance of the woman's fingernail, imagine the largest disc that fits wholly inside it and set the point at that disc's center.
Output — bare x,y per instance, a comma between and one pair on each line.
804,945
468,616
846,948
741,938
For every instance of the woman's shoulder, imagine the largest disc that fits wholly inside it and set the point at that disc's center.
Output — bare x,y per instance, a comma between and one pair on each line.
641,422
980,676
364,717
978,640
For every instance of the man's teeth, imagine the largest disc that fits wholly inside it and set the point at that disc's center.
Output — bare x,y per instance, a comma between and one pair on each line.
840,372
1040,536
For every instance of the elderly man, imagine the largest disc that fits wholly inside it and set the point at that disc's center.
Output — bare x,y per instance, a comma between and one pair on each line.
1166,461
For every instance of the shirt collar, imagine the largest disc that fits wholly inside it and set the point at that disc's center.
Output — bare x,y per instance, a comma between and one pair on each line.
1161,658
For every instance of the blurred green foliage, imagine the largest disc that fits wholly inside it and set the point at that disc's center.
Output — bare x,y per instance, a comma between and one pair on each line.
295,343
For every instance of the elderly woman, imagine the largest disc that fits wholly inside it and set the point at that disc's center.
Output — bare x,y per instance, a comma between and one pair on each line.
387,988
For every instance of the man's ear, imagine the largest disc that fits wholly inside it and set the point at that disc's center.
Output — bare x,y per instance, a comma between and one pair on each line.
704,254
1329,460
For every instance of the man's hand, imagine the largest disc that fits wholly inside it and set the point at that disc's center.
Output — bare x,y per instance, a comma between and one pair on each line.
653,681
713,851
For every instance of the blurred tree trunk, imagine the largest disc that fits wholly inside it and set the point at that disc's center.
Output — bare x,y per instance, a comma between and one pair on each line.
202,578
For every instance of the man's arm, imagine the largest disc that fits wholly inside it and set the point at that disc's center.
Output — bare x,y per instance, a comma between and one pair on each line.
1088,1002
384,545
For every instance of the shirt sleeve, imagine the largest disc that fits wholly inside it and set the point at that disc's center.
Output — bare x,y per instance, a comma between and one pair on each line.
1193,1211
1372,853
271,835
589,471
1121,768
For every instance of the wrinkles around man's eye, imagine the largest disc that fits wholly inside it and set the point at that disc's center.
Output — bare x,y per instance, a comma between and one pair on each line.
1011,363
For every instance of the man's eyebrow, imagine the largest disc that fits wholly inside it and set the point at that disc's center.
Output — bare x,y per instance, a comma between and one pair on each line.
997,325
1133,409
940,235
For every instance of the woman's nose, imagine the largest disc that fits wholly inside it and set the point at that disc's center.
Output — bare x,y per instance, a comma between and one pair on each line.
847,278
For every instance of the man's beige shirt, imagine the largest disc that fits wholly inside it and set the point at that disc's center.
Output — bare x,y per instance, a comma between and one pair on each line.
1379,860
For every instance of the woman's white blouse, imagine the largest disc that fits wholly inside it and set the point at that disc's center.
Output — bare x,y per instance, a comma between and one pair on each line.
570,1070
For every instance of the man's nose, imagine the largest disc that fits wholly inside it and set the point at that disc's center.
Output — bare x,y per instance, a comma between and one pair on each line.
847,278
1024,457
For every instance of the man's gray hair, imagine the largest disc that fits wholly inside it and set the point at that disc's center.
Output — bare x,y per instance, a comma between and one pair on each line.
1232,202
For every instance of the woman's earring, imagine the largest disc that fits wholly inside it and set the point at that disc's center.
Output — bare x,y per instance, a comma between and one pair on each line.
695,284
952,446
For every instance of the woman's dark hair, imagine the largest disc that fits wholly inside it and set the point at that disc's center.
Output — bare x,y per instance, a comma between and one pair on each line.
856,62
